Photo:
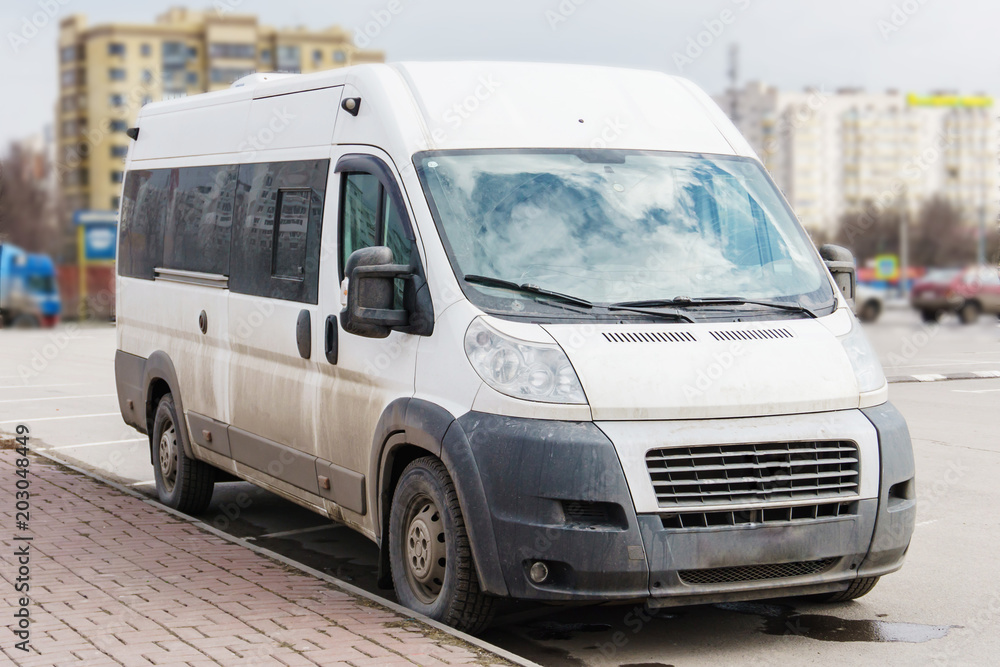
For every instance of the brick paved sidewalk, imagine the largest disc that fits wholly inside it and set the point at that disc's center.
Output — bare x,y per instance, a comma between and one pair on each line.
117,581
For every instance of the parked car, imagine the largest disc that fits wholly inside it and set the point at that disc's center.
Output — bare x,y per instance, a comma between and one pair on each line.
868,303
524,363
979,291
937,293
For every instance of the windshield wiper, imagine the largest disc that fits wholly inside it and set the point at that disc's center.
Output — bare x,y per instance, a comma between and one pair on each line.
687,302
526,288
641,306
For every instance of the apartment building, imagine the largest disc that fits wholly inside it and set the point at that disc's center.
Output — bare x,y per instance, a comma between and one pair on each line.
107,72
838,151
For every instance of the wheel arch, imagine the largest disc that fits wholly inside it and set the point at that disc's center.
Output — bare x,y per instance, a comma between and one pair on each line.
409,429
159,379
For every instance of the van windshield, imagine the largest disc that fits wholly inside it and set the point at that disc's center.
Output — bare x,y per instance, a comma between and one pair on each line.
612,227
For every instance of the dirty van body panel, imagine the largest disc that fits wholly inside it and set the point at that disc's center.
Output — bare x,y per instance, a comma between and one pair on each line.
162,316
555,492
897,507
352,394
716,370
129,375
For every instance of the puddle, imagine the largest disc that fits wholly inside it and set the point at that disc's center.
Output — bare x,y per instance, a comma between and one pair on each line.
781,620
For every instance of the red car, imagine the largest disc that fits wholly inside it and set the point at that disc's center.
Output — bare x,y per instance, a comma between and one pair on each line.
937,293
969,293
979,291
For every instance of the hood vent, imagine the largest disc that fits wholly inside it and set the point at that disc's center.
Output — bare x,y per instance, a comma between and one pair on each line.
752,334
650,337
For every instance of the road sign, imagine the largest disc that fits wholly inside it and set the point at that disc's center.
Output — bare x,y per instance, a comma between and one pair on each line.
887,267
96,233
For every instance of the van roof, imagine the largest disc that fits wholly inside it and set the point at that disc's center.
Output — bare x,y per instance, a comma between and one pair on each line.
461,105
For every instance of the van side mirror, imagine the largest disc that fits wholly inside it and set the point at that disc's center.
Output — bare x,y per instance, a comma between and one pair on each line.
840,262
370,293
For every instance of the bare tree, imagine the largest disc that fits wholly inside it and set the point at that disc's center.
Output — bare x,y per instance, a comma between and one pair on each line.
940,238
938,235
24,203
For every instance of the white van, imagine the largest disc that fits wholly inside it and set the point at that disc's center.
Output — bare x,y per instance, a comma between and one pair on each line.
539,331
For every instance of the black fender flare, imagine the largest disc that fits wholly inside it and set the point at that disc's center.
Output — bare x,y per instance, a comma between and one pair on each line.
159,367
414,422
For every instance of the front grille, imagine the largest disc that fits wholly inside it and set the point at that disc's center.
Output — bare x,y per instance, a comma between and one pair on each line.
758,517
730,575
753,473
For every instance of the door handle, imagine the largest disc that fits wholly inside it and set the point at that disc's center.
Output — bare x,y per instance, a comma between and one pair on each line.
332,339
303,334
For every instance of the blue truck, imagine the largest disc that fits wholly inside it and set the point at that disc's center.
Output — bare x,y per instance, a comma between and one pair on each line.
29,297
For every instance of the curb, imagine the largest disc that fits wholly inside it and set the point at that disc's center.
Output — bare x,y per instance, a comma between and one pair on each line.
935,377
284,560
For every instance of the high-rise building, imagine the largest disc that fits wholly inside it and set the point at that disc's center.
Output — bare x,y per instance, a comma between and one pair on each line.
835,152
108,72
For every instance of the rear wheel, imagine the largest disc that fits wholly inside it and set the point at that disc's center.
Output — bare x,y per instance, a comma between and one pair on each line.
870,311
969,312
930,315
182,483
431,560
858,588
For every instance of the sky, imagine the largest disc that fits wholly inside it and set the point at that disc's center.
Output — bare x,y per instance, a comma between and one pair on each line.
910,45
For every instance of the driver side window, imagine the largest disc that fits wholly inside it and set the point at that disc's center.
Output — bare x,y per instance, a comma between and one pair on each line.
369,217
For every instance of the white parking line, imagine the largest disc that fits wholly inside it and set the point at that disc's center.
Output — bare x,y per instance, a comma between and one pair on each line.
95,444
56,398
312,529
52,419
152,481
975,391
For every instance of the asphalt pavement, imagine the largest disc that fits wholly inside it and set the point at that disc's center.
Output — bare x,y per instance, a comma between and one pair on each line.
941,608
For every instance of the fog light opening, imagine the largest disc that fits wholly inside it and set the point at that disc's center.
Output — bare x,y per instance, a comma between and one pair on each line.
538,572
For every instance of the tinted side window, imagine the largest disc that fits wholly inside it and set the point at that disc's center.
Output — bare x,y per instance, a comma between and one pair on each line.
276,244
370,218
361,199
200,221
143,216
290,234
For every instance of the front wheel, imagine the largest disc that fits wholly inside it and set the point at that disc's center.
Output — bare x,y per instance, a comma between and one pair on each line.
433,571
870,312
858,588
183,483
969,313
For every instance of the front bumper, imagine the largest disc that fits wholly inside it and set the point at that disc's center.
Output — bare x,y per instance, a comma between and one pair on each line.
556,492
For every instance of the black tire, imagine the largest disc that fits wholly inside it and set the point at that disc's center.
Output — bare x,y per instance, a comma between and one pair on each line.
969,312
929,315
870,311
432,566
182,483
858,588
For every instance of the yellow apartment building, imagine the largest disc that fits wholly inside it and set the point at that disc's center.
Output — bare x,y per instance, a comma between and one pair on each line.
108,72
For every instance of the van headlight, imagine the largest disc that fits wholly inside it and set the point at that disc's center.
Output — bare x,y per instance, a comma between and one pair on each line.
517,368
864,361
